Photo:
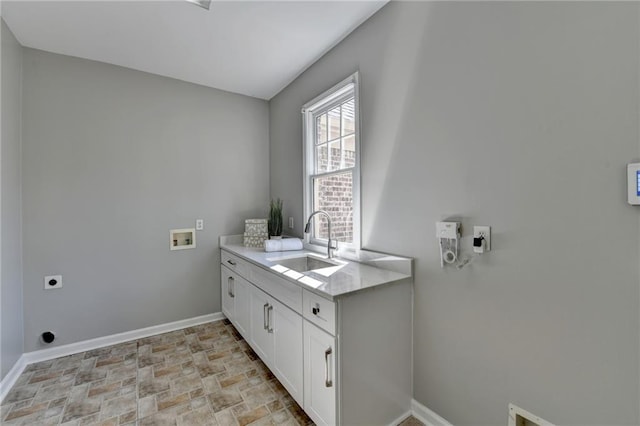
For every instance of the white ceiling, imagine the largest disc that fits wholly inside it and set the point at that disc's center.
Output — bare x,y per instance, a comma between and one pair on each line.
254,48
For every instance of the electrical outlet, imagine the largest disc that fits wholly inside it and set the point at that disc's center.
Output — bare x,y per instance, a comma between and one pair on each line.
482,231
51,282
199,224
291,222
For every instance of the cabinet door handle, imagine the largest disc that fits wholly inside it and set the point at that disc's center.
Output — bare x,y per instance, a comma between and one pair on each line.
269,316
264,316
231,262
327,377
230,285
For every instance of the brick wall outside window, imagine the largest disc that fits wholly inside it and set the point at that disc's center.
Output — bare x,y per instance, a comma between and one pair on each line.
334,194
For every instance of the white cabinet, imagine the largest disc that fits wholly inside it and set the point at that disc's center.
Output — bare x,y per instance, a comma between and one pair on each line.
235,299
345,360
276,336
261,339
227,279
287,351
241,309
319,375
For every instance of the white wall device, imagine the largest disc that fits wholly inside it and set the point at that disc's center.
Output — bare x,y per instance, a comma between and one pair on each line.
448,234
633,183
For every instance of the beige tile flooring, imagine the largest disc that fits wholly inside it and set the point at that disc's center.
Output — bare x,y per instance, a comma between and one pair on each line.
411,421
202,375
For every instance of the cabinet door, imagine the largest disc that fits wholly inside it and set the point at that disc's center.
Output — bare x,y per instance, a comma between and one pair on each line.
242,306
227,280
286,326
261,339
319,375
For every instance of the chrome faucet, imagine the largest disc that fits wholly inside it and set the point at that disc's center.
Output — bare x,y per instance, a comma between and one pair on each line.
307,228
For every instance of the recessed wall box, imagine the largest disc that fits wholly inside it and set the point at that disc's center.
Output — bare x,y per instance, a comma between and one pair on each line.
520,417
633,183
180,239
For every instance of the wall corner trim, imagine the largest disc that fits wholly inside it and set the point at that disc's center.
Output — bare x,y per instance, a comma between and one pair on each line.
427,416
99,342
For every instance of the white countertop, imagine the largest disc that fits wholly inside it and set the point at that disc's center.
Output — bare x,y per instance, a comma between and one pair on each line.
345,278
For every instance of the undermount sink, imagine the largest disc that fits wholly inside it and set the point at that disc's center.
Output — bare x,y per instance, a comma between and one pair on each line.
305,263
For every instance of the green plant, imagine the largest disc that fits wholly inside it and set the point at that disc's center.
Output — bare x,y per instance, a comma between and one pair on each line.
275,217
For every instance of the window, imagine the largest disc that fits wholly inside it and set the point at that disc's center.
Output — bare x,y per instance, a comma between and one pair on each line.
332,163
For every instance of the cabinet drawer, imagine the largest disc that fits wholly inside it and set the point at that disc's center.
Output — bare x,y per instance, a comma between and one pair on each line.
320,311
236,264
279,288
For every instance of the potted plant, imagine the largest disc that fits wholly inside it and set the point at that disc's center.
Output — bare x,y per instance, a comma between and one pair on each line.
275,219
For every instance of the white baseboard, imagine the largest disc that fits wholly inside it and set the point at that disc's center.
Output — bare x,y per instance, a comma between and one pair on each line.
400,419
426,416
99,342
12,376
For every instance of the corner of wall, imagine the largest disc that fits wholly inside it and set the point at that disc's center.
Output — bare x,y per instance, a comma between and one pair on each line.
11,267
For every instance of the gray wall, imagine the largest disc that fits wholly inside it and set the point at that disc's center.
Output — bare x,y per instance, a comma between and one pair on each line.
112,160
11,225
521,116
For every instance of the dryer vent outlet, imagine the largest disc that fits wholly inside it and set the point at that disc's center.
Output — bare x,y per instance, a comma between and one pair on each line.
48,337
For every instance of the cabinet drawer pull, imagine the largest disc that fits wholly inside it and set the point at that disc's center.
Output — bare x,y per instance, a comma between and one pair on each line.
264,316
316,309
230,285
269,316
231,262
327,377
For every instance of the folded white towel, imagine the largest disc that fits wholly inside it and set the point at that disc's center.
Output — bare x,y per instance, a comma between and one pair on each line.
285,244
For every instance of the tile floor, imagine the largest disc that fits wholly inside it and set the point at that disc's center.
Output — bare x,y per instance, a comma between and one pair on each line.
411,421
202,375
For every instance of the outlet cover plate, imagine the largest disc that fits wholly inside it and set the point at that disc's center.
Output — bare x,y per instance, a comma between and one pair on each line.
52,282
484,231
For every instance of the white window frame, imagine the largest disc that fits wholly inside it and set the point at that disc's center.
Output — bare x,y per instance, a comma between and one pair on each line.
329,98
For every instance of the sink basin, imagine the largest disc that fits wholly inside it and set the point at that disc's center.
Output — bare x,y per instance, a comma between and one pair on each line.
305,263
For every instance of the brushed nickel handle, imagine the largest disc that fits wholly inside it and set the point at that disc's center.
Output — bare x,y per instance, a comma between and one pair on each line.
231,262
264,317
327,378
269,316
230,284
